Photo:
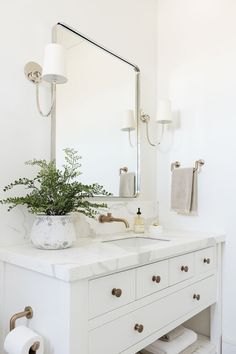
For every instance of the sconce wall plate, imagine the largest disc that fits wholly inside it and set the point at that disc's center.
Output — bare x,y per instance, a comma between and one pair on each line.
33,72
145,118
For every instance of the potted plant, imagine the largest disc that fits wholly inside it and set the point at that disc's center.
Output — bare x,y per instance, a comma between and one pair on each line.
54,194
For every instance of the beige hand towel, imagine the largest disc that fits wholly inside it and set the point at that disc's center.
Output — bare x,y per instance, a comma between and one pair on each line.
173,334
184,190
127,184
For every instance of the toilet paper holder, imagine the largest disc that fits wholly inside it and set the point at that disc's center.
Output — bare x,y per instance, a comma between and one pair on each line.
28,313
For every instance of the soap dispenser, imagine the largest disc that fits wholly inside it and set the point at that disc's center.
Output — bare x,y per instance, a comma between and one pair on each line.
139,223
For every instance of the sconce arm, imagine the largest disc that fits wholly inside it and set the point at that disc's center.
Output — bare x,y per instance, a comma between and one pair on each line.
145,118
52,100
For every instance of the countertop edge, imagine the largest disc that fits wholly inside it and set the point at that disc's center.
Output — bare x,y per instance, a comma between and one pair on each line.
42,262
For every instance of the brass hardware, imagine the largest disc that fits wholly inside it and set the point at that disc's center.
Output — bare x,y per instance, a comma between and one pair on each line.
28,313
184,269
156,278
207,260
197,297
139,328
198,165
116,292
109,218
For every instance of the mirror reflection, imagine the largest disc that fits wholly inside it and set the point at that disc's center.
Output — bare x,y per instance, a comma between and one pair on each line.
96,114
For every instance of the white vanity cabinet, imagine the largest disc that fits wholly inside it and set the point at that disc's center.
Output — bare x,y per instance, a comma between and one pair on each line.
117,312
166,307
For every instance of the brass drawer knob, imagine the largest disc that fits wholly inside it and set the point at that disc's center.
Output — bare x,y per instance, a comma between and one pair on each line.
139,328
197,297
207,260
116,292
156,278
184,269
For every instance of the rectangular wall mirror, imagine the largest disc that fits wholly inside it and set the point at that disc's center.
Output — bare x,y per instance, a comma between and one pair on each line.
96,113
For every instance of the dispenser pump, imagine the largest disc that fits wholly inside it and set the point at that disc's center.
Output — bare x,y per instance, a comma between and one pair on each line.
139,223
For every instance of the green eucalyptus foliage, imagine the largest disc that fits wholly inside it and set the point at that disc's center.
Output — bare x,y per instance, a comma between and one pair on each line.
57,192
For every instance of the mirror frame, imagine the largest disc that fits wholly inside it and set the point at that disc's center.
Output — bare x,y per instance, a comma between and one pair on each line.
136,108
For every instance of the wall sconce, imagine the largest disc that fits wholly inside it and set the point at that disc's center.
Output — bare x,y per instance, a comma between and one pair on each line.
164,116
128,124
53,72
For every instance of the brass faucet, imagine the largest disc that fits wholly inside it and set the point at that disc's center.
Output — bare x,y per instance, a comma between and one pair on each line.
110,218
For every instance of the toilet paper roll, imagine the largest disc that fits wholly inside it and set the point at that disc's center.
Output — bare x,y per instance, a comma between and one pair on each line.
20,340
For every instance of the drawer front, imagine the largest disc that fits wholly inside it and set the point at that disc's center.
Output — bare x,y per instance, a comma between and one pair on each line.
110,292
114,337
151,278
205,260
204,291
181,268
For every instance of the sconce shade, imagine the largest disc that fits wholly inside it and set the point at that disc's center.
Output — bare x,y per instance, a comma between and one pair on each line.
128,122
164,112
54,68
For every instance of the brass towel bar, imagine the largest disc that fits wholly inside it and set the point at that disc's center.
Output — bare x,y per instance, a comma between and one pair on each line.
28,313
198,165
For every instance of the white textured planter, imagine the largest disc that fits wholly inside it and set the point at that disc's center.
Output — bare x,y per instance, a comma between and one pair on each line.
53,232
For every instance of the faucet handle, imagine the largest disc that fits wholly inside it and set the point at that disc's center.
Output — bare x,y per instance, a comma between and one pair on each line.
105,218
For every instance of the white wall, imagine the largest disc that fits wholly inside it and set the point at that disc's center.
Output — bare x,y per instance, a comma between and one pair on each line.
126,27
197,70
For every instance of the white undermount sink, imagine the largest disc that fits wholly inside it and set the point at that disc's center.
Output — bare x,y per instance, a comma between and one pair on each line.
136,241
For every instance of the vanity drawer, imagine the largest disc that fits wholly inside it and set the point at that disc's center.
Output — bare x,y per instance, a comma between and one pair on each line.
110,292
205,260
116,336
181,268
151,278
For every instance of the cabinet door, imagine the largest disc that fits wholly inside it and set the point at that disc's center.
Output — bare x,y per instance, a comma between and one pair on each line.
151,278
122,333
110,292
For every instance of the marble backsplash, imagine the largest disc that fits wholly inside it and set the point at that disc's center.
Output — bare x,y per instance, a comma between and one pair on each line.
15,227
123,209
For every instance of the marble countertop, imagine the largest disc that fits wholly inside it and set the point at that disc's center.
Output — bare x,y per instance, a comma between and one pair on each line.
91,257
